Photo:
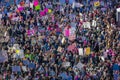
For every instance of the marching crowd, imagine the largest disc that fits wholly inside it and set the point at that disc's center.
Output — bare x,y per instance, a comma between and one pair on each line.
53,45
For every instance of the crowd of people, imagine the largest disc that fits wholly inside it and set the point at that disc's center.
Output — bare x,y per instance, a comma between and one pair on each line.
68,41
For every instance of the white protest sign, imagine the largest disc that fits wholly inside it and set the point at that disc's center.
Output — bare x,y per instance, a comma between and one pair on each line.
86,25
24,68
93,23
0,16
80,51
31,5
79,65
66,64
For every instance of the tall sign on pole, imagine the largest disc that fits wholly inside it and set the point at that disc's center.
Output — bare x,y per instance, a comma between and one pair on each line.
118,16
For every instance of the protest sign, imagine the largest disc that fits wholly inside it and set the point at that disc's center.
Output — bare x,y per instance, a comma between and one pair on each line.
80,51
66,64
30,32
17,51
102,57
49,11
67,33
46,10
63,40
94,23
31,5
37,7
87,50
35,3
97,3
24,68
80,65
86,25
31,65
42,13
0,16
16,69
59,49
26,62
3,56
18,54
116,67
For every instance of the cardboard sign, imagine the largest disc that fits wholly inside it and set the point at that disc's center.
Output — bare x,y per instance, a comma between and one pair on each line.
80,51
97,4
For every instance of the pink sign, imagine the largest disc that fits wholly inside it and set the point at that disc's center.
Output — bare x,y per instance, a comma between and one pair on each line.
67,32
30,32
20,8
42,13
46,10
35,3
